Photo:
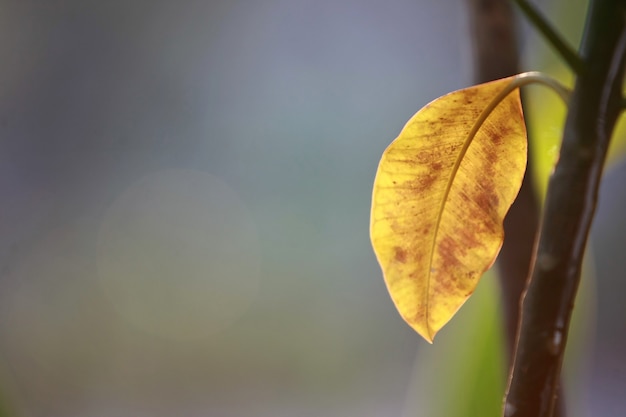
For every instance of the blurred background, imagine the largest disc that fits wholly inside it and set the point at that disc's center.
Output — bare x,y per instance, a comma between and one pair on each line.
185,193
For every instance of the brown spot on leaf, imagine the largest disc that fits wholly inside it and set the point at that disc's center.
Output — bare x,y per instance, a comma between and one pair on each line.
491,156
486,197
399,254
447,251
427,181
497,138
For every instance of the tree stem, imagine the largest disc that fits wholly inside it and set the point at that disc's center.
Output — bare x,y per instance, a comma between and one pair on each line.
552,36
495,52
570,205
495,56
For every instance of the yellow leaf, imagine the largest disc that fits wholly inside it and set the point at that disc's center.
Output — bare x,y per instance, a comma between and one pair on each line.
440,196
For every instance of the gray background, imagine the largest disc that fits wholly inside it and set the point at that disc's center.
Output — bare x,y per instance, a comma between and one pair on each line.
185,193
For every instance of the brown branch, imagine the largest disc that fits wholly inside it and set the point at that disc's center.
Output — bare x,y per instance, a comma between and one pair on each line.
492,25
493,39
570,205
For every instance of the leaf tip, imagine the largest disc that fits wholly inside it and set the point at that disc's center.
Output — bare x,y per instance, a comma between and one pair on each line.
430,337
426,331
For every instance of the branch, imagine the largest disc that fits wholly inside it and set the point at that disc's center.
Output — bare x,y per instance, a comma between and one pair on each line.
570,205
492,26
552,36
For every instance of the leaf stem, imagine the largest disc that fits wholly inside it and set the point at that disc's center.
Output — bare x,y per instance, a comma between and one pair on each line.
520,80
552,36
536,77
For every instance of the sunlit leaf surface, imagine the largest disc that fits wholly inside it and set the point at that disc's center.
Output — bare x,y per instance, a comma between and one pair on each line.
439,200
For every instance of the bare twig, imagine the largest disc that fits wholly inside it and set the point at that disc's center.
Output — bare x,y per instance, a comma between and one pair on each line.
570,205
492,25
551,35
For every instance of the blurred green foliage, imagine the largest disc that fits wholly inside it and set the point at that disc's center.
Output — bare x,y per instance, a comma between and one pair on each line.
462,374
